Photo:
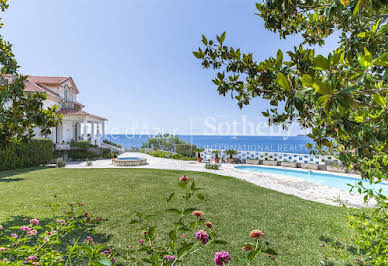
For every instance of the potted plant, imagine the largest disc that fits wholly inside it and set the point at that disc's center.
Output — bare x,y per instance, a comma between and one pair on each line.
231,153
216,158
198,151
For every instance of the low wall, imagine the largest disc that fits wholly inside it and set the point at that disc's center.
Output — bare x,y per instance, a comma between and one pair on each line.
271,156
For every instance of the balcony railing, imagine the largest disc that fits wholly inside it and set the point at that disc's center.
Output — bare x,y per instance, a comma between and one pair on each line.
68,105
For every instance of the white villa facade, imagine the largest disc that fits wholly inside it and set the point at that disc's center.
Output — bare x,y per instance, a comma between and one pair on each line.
77,124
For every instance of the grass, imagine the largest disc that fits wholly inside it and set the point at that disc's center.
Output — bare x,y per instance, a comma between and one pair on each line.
302,232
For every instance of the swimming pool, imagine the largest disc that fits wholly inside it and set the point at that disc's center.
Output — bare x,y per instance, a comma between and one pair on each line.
330,180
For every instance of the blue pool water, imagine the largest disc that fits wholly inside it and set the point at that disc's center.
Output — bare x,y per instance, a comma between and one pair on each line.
330,180
129,159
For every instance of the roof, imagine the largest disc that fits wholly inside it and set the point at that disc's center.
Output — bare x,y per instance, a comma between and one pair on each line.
66,112
52,80
31,86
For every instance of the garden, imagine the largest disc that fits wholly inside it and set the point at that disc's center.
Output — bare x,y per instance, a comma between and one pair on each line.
142,215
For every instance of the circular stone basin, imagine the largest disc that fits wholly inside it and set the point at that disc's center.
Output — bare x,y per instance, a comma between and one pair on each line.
129,161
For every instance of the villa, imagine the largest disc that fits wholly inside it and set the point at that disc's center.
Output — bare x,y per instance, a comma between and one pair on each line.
77,124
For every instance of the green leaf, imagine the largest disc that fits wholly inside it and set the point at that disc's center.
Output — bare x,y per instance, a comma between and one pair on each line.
367,58
134,222
200,196
382,60
279,58
172,235
307,80
364,34
321,87
182,185
192,187
185,248
223,35
379,99
220,242
323,100
204,40
356,8
172,195
321,63
253,254
151,231
271,251
189,210
173,210
197,55
283,81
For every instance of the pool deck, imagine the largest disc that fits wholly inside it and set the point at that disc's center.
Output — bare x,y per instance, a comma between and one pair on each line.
288,185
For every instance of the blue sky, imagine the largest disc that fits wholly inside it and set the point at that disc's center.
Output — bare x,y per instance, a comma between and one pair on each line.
132,59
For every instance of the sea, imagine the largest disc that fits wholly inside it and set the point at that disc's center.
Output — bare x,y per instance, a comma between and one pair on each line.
286,144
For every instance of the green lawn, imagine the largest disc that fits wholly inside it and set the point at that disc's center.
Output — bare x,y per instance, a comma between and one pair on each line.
301,231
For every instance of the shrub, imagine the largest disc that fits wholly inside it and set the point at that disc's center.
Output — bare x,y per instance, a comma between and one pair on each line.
80,144
63,240
88,163
112,143
164,142
60,163
190,232
212,166
186,149
36,152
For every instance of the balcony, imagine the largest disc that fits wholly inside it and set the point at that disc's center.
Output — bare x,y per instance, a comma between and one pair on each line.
66,105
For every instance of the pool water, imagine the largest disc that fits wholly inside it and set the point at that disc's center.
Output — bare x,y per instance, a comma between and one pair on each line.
330,180
129,159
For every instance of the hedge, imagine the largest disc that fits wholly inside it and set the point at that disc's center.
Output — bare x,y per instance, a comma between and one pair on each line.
29,154
80,144
186,149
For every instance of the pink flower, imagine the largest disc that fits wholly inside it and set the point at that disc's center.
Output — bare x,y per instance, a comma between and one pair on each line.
113,260
5,259
85,213
62,222
34,221
1,227
184,178
256,234
32,233
221,258
30,258
25,228
4,249
203,236
209,225
51,232
89,240
198,214
45,239
98,219
73,203
247,248
81,205
141,241
107,252
14,236
169,257
25,219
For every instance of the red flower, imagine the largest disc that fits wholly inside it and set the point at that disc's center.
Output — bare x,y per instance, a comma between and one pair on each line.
209,225
184,178
198,214
256,234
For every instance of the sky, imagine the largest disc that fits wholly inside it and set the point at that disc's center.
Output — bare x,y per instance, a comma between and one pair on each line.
132,59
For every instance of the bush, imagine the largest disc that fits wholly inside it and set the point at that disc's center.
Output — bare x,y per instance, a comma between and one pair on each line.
186,149
80,144
112,143
212,166
17,155
66,239
60,163
164,142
